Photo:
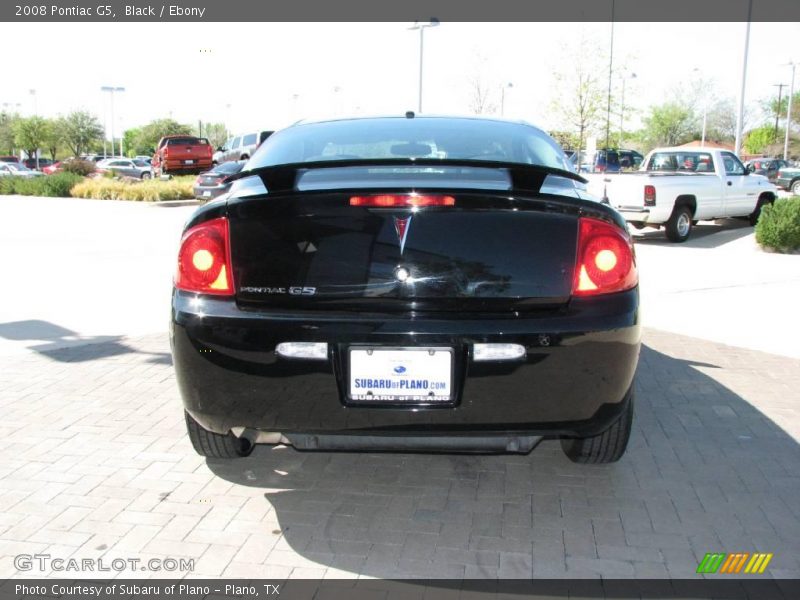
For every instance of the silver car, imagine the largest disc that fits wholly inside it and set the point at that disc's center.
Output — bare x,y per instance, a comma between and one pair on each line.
17,170
127,167
240,147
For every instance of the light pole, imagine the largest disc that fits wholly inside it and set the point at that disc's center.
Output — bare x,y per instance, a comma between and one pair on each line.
740,111
508,85
35,105
610,71
111,90
622,106
789,113
421,26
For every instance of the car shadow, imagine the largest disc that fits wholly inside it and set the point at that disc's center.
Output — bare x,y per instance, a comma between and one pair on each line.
705,471
706,234
64,345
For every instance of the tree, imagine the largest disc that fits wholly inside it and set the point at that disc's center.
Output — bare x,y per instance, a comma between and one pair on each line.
30,135
52,137
150,134
759,139
669,124
579,98
480,91
79,130
216,133
7,121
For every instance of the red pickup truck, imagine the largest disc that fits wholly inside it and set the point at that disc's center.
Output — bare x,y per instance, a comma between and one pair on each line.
182,154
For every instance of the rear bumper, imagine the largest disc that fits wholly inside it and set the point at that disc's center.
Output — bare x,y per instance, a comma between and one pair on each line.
579,365
179,166
206,193
654,215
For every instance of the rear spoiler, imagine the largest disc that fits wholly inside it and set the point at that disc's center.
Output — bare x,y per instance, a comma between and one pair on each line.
283,178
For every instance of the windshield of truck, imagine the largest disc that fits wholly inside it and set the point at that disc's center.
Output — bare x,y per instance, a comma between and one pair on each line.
694,162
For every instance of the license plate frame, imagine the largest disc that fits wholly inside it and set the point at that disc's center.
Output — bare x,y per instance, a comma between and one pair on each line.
188,162
379,363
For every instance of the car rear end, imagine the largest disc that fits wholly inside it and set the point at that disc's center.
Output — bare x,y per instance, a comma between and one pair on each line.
214,183
409,306
185,154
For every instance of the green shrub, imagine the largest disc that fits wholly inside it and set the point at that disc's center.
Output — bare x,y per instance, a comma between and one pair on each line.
57,185
778,226
152,190
79,167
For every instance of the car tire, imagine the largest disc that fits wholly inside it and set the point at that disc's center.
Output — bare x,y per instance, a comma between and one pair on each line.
679,225
607,447
795,187
215,445
753,218
145,175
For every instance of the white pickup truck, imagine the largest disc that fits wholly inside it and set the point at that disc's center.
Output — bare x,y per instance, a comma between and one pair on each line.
676,187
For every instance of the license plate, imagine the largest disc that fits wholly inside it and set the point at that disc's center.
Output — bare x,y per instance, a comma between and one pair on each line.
189,162
206,194
401,375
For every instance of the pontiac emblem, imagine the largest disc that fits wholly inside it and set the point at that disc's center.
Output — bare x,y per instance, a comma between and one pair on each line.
401,227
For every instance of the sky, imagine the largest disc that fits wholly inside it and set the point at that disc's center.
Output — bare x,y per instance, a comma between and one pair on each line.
268,75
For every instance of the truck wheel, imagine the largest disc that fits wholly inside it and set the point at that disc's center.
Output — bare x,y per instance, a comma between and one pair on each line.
679,225
753,218
796,187
607,447
215,445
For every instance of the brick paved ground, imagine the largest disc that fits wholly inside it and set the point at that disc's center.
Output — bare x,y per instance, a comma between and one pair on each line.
94,462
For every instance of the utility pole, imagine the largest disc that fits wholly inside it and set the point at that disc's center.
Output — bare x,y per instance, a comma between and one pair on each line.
789,114
610,70
780,87
740,112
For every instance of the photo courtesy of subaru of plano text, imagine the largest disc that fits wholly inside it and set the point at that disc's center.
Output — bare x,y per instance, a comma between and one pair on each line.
407,283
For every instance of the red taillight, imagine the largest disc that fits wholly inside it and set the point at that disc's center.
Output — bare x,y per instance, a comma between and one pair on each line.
605,261
219,180
400,200
204,260
649,195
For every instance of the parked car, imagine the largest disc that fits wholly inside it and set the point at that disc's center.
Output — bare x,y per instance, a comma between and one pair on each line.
182,154
241,147
17,170
215,182
9,159
630,159
125,167
147,159
788,178
606,161
768,167
677,187
418,299
43,162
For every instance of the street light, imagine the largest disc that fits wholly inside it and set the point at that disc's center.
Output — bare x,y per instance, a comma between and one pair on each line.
421,26
111,90
509,85
622,106
789,112
740,111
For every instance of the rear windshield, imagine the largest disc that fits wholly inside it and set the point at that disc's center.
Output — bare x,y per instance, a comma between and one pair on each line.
230,167
186,141
696,162
421,137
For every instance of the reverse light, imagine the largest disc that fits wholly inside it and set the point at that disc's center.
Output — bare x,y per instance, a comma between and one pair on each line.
649,195
307,350
487,352
605,261
401,200
204,259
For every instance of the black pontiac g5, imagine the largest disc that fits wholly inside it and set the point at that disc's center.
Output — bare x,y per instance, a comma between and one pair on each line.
409,284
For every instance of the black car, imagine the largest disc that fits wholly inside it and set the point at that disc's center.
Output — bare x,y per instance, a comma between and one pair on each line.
768,167
215,182
407,283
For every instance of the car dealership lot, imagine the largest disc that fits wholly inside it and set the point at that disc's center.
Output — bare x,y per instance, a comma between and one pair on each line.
95,462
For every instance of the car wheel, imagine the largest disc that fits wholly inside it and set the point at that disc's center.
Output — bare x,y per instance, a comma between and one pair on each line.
796,187
753,218
679,225
215,445
145,175
607,447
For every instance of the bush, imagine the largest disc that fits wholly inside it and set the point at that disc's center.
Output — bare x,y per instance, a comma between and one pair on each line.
152,190
778,226
57,185
79,167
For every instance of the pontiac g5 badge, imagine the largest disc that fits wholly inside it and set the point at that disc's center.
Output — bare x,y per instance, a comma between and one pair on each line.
401,227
